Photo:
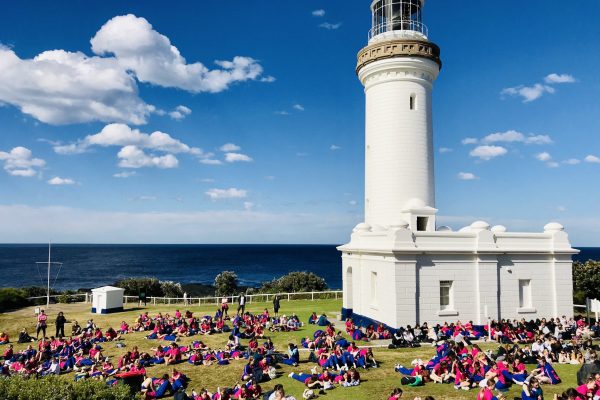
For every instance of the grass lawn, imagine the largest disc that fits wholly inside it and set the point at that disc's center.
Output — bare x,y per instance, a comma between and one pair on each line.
376,383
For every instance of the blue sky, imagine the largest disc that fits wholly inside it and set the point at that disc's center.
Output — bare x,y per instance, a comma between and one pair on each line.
260,119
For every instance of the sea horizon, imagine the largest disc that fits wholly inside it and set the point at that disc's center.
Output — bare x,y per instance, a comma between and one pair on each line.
88,265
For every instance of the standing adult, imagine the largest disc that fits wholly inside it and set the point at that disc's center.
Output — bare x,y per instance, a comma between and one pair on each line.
185,299
276,305
60,325
41,324
241,304
142,298
224,307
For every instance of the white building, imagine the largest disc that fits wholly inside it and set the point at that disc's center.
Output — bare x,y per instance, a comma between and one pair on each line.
399,268
107,299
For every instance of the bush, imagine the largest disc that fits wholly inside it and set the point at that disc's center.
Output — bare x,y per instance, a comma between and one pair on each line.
11,298
171,289
295,282
55,388
586,279
133,286
226,284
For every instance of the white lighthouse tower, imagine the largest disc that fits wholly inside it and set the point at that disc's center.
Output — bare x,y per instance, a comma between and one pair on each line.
397,69
399,269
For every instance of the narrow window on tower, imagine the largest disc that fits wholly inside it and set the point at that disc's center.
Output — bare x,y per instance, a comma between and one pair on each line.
413,102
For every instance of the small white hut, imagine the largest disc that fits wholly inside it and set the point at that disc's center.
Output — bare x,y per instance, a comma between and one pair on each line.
107,299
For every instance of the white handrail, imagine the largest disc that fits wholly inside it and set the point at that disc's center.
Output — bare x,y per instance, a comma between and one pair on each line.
264,297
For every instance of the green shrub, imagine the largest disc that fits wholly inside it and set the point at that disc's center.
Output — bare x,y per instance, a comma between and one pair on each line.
295,282
55,388
64,298
226,284
586,279
11,298
134,286
171,289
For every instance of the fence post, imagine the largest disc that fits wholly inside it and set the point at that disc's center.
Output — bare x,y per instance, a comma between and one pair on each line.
312,296
154,300
288,297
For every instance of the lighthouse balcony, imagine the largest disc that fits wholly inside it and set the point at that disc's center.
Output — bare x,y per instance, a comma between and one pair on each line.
394,30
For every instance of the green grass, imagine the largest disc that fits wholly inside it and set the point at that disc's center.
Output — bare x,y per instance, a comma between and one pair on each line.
376,384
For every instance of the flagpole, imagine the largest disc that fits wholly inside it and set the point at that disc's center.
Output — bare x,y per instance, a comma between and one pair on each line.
48,290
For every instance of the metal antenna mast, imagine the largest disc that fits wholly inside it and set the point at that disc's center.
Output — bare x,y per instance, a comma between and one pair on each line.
49,263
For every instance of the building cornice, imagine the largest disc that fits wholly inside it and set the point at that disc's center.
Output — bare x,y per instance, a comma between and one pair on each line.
398,48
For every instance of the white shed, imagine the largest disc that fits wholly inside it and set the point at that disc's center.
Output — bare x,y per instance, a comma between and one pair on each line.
107,299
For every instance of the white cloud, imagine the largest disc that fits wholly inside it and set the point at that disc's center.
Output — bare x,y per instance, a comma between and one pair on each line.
592,159
572,161
334,147
124,174
150,55
60,87
301,154
180,112
556,78
270,177
134,157
58,181
228,147
248,206
318,13
282,112
469,140
20,162
231,193
528,93
330,26
237,157
268,79
531,93
487,152
133,142
353,202
553,164
561,208
545,156
443,150
538,139
210,161
514,136
207,180
466,176
298,107
123,135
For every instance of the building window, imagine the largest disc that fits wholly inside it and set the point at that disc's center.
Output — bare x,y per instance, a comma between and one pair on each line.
422,223
446,295
374,288
525,293
413,102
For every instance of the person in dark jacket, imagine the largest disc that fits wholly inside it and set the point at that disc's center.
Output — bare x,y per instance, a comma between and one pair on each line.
241,304
60,325
276,305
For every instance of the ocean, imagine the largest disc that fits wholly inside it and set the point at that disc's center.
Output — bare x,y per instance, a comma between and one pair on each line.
88,266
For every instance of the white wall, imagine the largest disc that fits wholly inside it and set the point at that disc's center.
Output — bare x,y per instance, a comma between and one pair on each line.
398,140
483,274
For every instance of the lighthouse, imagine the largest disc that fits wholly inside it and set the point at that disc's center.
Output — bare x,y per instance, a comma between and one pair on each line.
398,68
399,267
